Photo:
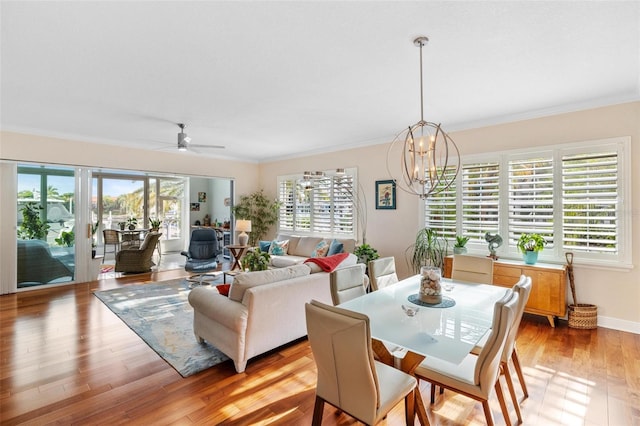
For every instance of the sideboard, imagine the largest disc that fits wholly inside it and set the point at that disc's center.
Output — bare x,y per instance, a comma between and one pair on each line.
548,284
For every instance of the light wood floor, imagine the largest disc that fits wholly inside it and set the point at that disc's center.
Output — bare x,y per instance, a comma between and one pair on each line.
67,359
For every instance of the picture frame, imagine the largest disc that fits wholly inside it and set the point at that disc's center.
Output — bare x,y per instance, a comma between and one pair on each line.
195,207
385,195
202,197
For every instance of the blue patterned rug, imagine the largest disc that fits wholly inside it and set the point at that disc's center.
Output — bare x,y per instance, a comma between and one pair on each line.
161,315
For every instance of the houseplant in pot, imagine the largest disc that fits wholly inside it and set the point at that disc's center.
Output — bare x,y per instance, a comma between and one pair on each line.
131,223
429,249
255,260
365,254
530,245
460,247
154,224
260,210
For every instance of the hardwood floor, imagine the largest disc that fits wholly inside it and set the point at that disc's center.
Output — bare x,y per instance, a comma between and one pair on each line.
67,359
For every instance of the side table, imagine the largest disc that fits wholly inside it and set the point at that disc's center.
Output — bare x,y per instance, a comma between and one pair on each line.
237,251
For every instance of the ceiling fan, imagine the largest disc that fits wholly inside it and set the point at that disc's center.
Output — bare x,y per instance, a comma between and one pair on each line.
184,141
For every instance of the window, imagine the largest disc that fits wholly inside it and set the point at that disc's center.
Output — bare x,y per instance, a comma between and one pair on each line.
323,204
575,195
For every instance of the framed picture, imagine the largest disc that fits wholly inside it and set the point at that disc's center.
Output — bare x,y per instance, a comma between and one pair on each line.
386,194
195,207
202,197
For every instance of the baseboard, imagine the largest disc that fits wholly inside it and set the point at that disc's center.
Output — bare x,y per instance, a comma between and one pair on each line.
618,324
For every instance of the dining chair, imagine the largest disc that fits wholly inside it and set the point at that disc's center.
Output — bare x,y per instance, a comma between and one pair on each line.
474,269
348,376
475,376
510,353
348,283
111,237
382,272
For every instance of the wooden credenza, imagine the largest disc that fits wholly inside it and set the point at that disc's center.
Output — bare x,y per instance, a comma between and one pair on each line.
548,284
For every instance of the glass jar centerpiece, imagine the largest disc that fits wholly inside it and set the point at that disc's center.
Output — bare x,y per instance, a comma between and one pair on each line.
430,285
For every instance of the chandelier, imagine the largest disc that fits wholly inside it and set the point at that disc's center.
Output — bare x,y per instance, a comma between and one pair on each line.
430,160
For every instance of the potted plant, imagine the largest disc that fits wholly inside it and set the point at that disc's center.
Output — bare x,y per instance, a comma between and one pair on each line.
122,225
460,247
429,249
530,245
256,260
260,210
131,223
155,224
366,253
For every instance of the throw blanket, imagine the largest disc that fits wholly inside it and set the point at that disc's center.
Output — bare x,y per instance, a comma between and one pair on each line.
328,263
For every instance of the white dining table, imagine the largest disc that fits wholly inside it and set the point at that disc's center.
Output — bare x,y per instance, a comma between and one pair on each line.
446,333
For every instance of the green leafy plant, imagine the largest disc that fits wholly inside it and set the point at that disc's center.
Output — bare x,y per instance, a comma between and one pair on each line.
32,226
429,249
531,242
132,222
256,260
260,210
66,239
461,241
155,223
366,253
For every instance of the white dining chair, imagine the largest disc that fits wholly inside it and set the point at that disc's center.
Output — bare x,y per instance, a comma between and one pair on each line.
348,376
473,269
510,353
382,273
476,376
348,283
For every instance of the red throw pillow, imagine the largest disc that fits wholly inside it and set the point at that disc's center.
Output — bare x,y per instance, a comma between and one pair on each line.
223,289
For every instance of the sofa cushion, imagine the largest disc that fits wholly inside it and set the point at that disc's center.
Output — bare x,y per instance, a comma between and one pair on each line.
288,260
244,281
321,249
305,246
279,248
335,247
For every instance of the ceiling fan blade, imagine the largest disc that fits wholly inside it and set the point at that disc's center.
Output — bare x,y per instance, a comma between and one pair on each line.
192,145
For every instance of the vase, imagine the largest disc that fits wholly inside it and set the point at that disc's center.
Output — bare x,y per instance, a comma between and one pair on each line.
430,286
530,257
459,250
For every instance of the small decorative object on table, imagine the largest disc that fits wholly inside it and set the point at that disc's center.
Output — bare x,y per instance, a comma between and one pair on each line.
430,286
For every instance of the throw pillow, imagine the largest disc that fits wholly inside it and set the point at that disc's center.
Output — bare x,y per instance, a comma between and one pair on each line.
321,249
264,246
335,248
223,289
279,248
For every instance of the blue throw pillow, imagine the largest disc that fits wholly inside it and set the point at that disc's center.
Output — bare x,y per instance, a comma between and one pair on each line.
264,246
335,248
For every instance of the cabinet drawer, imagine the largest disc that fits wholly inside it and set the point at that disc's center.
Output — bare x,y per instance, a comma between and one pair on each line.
507,271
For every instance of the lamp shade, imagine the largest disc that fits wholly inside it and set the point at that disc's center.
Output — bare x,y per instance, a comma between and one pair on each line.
243,225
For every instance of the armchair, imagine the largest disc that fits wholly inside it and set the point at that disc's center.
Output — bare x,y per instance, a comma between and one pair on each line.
138,259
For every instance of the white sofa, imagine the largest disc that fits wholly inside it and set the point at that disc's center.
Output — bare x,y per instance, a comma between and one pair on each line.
264,310
301,248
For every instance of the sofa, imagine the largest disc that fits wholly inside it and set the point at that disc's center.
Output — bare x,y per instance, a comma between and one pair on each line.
286,250
263,309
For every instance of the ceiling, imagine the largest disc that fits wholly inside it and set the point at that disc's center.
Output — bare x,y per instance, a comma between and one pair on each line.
271,80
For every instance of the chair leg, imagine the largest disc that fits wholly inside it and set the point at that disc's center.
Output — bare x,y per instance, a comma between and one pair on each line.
410,408
487,413
433,393
503,403
512,391
318,409
516,364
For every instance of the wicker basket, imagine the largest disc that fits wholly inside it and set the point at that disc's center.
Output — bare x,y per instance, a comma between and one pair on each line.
583,316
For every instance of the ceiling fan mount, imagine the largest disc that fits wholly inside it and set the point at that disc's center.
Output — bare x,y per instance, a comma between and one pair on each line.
184,141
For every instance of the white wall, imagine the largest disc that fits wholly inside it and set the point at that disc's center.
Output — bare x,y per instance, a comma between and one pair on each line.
615,292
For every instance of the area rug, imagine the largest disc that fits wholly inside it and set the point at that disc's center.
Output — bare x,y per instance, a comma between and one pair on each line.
161,315
107,268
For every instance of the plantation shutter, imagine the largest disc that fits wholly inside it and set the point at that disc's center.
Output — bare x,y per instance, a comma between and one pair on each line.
531,198
441,210
480,199
343,205
321,201
303,207
590,202
287,204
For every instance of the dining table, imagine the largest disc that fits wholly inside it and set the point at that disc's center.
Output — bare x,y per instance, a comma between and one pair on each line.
447,331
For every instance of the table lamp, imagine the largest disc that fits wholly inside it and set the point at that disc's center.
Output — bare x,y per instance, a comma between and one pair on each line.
243,226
